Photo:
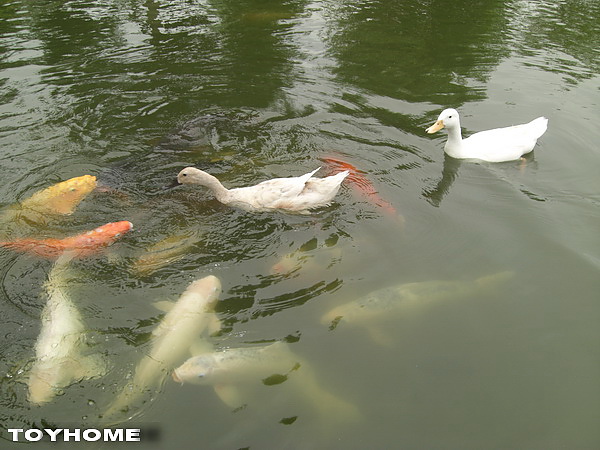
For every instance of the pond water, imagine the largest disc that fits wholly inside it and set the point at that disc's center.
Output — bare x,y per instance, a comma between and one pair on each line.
133,91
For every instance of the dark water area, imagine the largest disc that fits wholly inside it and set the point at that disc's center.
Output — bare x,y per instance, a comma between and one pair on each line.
132,92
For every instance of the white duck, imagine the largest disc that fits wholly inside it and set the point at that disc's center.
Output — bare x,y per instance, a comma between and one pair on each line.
294,194
499,144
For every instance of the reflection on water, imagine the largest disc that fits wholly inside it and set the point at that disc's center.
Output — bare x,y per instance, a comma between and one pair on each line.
133,92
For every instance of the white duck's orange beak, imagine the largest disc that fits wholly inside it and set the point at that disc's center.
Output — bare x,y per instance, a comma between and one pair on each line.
435,127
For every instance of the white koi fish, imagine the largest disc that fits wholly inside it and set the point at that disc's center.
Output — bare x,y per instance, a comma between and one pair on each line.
172,339
406,298
232,370
58,350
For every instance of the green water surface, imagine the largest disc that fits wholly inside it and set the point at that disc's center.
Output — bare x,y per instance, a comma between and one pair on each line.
133,91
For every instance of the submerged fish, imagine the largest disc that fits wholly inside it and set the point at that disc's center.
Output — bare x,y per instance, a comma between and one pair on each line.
172,339
81,245
164,252
361,185
234,370
59,359
310,257
59,199
405,298
237,365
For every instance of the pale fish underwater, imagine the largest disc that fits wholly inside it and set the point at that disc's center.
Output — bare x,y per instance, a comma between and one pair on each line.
173,340
312,257
60,359
405,299
164,252
235,372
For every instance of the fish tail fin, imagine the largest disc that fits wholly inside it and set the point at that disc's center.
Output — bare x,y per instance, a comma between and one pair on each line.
12,245
338,164
91,366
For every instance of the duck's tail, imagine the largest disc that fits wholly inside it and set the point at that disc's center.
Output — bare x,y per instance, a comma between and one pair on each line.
538,126
338,177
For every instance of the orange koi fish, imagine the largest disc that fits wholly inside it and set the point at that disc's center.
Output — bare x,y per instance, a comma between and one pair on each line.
81,245
360,183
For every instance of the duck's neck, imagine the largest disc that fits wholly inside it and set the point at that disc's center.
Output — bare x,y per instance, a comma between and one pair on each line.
211,182
454,145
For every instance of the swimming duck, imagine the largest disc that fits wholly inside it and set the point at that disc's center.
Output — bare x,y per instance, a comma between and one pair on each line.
496,145
294,194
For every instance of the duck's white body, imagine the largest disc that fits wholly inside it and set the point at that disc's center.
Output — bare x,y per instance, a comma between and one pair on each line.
294,194
496,145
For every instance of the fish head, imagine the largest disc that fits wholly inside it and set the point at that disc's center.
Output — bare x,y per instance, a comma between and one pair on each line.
197,370
114,230
358,311
208,287
448,118
288,264
63,197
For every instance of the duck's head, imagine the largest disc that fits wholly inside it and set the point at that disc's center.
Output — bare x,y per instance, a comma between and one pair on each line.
448,118
190,175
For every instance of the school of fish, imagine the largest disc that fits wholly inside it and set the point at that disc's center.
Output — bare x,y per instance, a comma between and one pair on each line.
181,345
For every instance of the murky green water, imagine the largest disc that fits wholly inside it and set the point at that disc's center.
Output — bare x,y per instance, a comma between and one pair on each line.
134,91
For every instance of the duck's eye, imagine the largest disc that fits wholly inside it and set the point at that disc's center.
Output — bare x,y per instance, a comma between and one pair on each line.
184,174
449,117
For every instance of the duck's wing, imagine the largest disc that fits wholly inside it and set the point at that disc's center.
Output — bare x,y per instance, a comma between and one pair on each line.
325,187
505,144
270,193
317,192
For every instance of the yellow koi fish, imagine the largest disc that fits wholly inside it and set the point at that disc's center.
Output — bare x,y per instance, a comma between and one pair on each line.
59,199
